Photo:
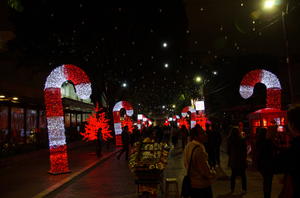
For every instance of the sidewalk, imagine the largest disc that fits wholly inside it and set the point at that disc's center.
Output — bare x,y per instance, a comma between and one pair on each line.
221,186
30,178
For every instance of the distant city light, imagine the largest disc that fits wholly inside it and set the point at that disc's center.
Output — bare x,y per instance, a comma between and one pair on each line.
215,73
198,79
15,98
269,4
2,96
166,65
165,44
173,106
124,85
163,106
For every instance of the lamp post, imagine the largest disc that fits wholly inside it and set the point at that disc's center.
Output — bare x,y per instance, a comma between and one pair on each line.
269,4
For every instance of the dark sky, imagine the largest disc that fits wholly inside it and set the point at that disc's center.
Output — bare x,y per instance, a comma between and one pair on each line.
122,42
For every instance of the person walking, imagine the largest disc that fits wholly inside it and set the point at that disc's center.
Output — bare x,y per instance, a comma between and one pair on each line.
184,135
99,143
264,154
237,151
200,173
288,162
125,141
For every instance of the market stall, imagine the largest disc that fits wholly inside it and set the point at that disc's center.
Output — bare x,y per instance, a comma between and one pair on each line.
147,161
267,117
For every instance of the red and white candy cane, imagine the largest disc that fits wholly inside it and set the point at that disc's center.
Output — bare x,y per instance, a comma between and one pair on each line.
267,78
55,113
187,109
117,118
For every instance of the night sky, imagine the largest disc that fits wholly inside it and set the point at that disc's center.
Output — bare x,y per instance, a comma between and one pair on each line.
123,43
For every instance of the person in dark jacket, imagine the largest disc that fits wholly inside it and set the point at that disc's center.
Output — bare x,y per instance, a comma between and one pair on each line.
99,143
288,162
264,155
237,150
125,141
184,135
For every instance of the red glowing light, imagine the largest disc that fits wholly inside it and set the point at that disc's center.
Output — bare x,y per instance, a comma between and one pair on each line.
59,160
127,122
53,102
94,122
183,122
54,112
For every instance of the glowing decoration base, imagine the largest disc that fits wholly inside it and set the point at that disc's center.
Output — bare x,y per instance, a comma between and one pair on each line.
54,112
117,118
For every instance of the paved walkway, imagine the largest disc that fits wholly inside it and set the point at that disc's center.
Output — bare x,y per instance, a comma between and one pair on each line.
113,179
29,177
107,178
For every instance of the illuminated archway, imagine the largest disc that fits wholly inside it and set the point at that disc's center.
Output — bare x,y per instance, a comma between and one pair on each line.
117,118
55,114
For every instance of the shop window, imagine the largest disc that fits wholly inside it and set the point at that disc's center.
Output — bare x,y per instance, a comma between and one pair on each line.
3,124
42,120
78,119
31,125
73,119
67,120
31,121
17,124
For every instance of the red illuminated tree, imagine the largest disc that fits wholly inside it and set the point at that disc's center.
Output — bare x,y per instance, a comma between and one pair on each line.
183,121
127,122
94,122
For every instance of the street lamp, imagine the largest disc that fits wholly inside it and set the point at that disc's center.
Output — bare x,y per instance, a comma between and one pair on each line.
124,85
165,44
269,5
198,79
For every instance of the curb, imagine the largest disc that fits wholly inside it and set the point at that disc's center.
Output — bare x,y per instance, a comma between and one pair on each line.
65,181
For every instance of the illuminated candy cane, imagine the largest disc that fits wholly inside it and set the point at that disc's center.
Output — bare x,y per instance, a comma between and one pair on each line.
267,78
187,109
55,114
117,118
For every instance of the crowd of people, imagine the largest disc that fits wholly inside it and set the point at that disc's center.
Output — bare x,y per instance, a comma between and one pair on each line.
201,148
266,155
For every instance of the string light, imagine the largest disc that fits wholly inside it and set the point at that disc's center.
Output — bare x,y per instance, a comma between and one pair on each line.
54,112
117,118
184,113
95,122
267,78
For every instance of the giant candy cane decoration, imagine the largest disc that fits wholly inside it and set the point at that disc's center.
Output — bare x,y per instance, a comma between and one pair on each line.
117,119
55,114
187,109
267,78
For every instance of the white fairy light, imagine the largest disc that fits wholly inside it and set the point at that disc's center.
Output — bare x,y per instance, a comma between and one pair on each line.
118,128
246,91
56,131
56,78
129,112
83,90
270,80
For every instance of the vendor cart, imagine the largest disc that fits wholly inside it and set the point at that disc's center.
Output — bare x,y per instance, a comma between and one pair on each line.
147,161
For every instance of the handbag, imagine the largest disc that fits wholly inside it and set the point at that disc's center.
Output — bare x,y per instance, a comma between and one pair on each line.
186,182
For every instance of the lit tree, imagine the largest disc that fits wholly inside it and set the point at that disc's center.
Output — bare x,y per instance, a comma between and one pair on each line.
127,122
94,122
183,121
